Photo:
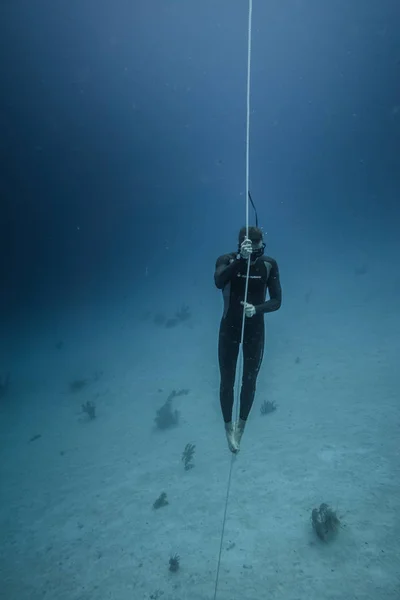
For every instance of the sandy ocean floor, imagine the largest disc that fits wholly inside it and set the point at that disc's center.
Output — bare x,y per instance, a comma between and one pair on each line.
77,517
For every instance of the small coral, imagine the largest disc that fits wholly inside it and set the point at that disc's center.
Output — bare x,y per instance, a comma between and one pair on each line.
325,522
174,563
187,456
161,501
267,407
165,416
90,409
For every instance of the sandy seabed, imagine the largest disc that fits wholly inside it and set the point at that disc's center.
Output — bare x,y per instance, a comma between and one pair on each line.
77,517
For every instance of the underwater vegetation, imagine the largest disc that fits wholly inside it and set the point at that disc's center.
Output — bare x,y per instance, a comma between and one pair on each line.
89,408
174,563
166,417
325,522
187,456
161,501
267,407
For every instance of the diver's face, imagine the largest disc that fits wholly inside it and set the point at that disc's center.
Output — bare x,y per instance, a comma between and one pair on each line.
257,250
256,245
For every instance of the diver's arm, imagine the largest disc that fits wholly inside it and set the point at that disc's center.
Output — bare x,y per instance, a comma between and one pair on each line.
226,267
274,290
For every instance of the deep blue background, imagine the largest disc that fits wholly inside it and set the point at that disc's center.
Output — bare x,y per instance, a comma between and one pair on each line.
123,136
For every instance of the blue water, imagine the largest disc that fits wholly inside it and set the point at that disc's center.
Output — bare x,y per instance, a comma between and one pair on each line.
122,180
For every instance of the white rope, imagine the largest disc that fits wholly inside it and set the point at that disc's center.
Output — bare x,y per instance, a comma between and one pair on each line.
248,112
246,289
240,370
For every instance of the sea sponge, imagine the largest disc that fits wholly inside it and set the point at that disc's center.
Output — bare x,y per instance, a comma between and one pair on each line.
325,522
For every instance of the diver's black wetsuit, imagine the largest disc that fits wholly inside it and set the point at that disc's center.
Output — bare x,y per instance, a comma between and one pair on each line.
230,277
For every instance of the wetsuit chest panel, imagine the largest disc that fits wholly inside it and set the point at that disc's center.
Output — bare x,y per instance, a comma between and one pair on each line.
258,279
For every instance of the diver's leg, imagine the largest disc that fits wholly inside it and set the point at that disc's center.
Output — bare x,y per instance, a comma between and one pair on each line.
253,352
228,350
